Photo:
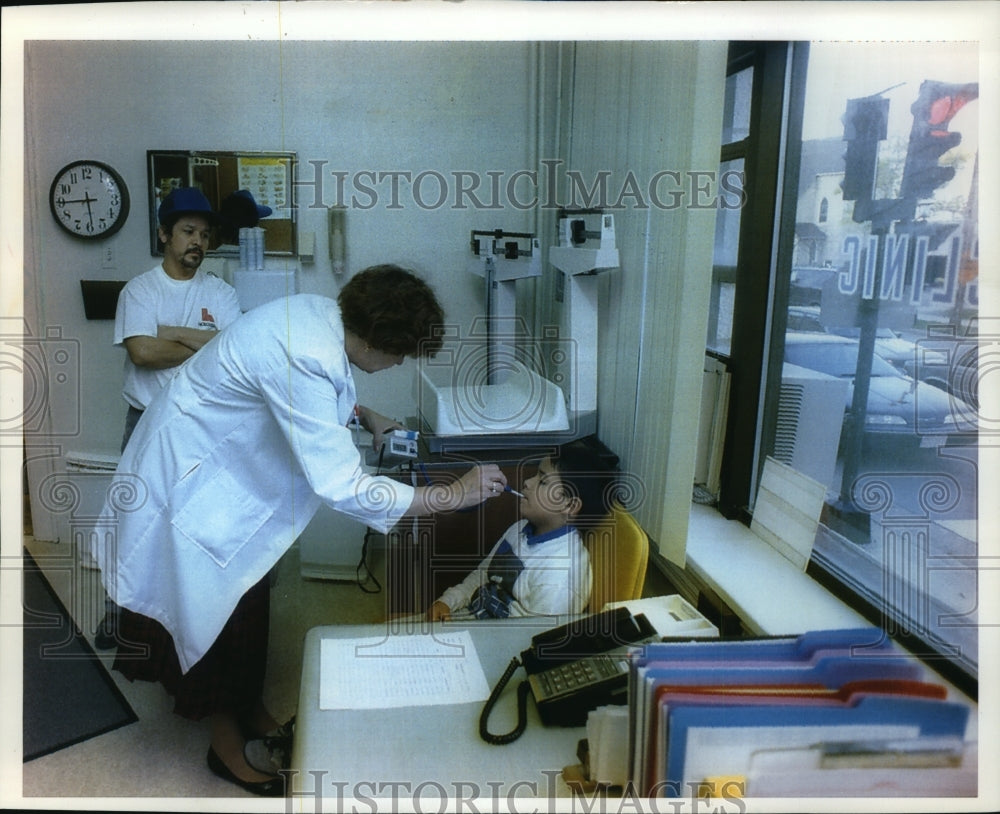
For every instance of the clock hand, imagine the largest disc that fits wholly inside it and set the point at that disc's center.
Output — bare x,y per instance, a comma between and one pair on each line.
86,199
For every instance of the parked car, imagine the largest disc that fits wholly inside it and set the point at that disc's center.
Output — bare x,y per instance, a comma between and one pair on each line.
949,364
889,344
804,318
807,284
897,404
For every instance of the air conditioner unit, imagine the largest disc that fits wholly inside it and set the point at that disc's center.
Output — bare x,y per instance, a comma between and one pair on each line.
810,418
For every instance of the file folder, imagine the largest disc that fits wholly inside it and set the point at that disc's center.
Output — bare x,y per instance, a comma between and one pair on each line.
719,738
829,670
859,641
918,767
704,710
668,697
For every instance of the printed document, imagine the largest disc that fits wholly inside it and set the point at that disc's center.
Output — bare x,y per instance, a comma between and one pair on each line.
380,672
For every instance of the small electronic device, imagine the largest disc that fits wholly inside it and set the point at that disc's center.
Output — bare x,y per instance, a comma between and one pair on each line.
573,669
402,443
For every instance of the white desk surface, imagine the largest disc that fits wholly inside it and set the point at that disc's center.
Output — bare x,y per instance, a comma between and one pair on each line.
424,752
769,594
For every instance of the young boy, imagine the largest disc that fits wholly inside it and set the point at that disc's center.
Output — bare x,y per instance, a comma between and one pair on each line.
540,565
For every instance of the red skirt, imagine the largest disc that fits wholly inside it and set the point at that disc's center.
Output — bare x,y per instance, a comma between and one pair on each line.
228,679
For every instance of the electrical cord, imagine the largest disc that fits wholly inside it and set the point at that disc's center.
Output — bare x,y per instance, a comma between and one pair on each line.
363,564
522,708
368,575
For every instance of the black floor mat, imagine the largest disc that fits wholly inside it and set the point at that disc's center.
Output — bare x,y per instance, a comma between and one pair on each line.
68,695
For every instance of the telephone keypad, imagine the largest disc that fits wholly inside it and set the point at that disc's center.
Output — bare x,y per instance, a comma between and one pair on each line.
579,674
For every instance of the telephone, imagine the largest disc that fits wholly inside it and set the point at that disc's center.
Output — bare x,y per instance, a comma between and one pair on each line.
572,670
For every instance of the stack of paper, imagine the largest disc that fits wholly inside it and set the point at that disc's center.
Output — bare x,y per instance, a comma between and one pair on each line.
381,672
828,713
607,741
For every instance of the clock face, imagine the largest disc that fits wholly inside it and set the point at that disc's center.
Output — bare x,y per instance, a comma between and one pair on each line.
89,199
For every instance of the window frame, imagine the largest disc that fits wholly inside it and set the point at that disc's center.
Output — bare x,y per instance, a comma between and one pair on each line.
764,267
770,150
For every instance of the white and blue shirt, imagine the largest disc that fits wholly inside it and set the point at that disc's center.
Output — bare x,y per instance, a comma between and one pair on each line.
526,574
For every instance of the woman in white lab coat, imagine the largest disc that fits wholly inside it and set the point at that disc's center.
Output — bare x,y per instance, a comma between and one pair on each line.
224,471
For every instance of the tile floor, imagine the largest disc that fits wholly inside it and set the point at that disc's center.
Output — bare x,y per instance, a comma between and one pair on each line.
162,755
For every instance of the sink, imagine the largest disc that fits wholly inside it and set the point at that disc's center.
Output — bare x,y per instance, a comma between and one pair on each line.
458,399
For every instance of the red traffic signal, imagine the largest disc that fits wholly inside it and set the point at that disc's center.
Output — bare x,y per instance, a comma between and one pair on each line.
935,106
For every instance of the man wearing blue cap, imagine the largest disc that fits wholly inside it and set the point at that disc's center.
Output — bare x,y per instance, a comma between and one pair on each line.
167,314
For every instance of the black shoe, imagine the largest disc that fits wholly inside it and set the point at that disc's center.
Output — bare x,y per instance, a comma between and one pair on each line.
265,788
106,637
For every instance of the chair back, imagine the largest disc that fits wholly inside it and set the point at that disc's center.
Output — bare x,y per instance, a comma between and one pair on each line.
619,555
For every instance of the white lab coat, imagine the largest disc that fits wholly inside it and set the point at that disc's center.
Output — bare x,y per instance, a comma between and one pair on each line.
229,463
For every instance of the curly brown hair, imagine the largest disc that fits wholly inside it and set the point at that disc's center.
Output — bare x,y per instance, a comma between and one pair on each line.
393,311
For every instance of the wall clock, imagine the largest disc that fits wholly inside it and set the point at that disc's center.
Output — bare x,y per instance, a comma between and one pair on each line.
89,199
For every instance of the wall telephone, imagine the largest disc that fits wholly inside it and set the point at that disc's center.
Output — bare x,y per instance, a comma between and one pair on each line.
572,670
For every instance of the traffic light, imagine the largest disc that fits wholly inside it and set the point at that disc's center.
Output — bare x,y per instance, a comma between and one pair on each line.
936,105
865,125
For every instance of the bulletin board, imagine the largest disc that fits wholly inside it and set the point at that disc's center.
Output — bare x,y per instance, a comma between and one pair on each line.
218,173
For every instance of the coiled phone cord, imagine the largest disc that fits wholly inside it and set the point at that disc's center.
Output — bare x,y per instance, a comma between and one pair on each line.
522,708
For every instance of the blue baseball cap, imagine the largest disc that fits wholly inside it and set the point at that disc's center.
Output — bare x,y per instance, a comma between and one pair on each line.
245,196
186,201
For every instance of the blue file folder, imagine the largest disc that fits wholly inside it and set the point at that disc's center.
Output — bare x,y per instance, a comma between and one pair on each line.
827,659
859,641
830,670
802,724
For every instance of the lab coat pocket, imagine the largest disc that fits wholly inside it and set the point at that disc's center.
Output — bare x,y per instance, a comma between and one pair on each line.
221,516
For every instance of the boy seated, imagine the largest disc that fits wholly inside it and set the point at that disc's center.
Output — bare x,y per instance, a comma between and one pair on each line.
540,565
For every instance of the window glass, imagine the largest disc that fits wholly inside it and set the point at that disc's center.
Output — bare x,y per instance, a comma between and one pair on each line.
879,383
724,260
736,113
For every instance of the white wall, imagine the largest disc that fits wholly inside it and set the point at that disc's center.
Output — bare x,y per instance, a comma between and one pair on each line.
640,109
445,107
382,107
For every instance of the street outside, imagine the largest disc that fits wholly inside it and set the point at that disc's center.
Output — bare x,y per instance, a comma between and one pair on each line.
920,553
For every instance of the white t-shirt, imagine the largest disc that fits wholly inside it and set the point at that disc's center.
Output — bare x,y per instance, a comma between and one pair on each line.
153,299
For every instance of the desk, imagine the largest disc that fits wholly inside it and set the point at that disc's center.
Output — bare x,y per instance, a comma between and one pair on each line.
428,752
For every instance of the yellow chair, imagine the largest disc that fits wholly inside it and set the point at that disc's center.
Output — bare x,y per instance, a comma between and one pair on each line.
619,554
